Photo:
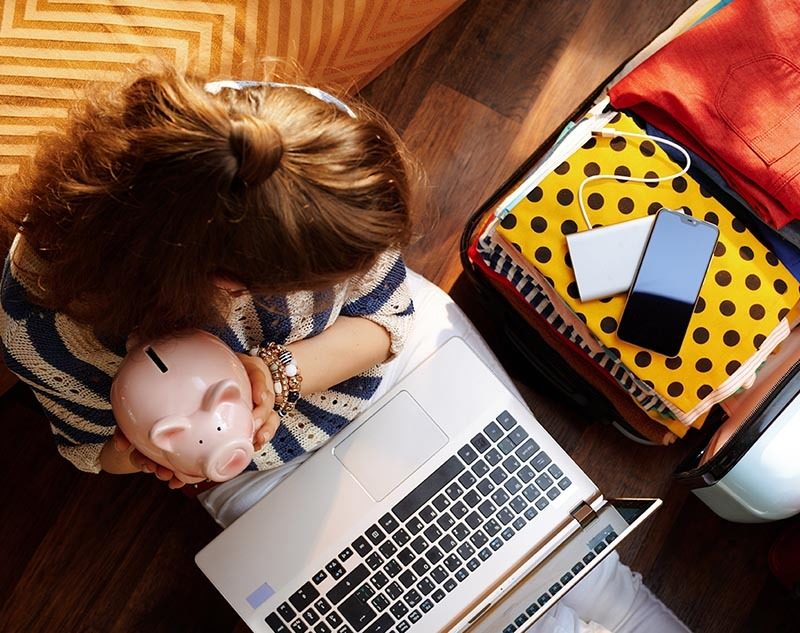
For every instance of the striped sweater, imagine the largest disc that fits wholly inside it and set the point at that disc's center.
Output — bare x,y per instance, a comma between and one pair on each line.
70,371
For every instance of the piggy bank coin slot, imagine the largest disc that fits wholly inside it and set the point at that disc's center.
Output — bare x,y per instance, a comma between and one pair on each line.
151,353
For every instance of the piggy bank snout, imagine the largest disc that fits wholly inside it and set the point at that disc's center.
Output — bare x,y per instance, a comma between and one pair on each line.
228,460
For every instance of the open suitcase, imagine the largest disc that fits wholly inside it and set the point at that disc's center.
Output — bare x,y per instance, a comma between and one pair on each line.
747,470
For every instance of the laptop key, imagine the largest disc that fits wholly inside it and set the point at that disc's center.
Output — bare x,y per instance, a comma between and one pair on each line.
472,498
345,585
375,534
380,603
544,481
564,483
518,504
426,605
505,516
362,546
321,627
432,533
526,450
276,624
379,580
532,608
498,475
415,526
335,569
566,578
406,556
493,431
465,550
452,562
487,508
322,606
421,567
414,616
429,487
445,521
310,616
454,491
513,486
407,578
450,585
518,523
480,468
460,531
392,568
434,555
403,626
506,420
485,487
425,586
496,544
492,527
399,609
555,471
412,598
345,554
459,510
553,493
530,513
518,435
507,533
479,539
388,523
438,575
485,553
467,453
304,596
374,561
364,592
298,626
286,612
542,503
526,473
461,574
554,588
427,514
467,479
447,543
419,545
541,460
510,463
441,502
381,625
480,443
401,537
473,520
500,496
394,591
319,576
388,549
506,445
356,612
493,457
531,493
521,619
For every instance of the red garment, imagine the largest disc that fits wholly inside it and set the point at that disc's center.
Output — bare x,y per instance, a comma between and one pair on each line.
729,89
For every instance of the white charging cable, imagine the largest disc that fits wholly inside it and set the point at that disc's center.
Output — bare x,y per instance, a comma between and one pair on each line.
610,132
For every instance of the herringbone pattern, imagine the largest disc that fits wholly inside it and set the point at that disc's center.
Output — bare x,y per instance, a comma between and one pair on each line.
51,49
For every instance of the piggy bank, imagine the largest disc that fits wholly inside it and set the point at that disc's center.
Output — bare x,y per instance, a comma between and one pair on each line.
186,403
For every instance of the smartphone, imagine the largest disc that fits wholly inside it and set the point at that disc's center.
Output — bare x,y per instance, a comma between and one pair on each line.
662,297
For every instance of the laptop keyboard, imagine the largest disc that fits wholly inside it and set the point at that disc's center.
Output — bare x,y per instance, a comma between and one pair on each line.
390,577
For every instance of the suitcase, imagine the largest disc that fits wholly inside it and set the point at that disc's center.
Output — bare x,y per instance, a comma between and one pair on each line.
752,475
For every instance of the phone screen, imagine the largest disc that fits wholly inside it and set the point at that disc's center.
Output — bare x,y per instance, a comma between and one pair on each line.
671,272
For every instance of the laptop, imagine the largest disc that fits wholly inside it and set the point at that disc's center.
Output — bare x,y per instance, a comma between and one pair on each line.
444,507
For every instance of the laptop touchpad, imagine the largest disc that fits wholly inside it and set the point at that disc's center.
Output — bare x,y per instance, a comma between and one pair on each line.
390,445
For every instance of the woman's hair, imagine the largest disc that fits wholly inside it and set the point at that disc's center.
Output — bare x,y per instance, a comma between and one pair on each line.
156,187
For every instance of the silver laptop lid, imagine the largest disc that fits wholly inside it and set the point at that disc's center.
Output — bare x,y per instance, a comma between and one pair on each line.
449,422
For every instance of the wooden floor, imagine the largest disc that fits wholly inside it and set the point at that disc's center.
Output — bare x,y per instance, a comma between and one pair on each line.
115,554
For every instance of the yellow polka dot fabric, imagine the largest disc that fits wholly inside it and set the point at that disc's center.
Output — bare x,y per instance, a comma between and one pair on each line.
744,300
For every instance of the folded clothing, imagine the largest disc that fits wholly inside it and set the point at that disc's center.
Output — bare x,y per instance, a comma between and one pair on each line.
608,377
741,313
729,89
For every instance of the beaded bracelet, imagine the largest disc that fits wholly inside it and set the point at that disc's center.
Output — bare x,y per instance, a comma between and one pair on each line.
286,377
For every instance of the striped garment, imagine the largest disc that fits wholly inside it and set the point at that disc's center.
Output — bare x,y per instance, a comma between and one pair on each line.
70,370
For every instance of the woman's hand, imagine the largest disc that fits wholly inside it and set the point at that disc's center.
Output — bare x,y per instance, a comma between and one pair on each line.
266,419
124,458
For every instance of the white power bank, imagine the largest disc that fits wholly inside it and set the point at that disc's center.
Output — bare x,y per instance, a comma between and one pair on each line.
605,259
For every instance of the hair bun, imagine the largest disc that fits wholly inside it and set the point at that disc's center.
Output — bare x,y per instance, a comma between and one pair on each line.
257,147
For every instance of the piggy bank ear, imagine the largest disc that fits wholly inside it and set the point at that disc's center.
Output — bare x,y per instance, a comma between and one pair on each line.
222,391
168,429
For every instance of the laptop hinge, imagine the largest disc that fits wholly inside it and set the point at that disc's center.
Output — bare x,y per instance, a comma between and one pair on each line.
583,514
